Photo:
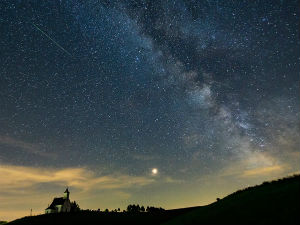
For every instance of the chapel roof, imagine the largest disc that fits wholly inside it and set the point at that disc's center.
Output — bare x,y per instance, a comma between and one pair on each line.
51,207
57,201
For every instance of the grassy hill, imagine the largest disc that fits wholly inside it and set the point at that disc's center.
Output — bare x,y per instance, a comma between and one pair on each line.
276,202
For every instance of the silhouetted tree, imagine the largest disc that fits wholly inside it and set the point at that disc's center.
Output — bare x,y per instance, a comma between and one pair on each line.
152,209
137,208
134,208
75,207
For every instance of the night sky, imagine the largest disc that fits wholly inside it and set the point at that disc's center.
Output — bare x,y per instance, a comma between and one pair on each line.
96,94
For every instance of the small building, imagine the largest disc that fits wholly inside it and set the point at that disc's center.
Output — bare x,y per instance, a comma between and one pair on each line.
61,204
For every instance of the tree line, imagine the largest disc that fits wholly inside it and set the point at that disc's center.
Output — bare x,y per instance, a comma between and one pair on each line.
132,208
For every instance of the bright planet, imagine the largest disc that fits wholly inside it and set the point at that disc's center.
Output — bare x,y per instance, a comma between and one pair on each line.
154,171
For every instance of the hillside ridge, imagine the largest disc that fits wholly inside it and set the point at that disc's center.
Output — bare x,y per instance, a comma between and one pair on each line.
274,202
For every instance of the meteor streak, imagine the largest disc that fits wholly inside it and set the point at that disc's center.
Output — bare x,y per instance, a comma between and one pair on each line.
58,45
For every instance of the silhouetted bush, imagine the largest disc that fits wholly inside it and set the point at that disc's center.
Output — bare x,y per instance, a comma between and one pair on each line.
133,208
152,209
75,207
137,208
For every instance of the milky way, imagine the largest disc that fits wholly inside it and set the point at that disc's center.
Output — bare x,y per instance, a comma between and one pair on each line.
196,89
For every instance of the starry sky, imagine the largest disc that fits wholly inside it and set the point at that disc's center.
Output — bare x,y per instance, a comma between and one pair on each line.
95,94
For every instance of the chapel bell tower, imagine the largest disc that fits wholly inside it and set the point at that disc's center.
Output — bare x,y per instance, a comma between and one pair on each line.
66,194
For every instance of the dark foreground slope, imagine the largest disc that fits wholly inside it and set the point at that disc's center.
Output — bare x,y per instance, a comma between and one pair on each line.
276,202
